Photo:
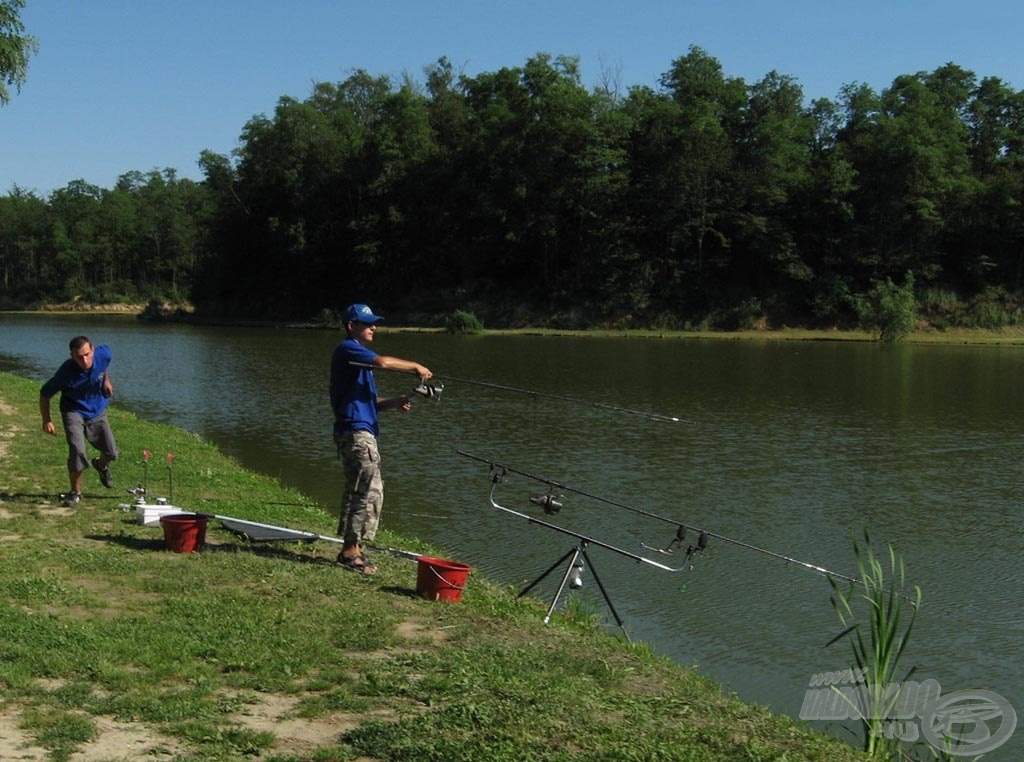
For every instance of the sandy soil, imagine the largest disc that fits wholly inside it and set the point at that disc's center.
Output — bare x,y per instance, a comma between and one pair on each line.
117,741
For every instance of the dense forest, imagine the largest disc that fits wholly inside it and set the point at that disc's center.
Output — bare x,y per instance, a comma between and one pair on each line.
524,197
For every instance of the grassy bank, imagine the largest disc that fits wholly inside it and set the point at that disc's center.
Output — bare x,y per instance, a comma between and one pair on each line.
115,648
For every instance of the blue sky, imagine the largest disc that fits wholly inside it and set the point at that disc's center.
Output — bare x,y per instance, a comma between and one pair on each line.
122,85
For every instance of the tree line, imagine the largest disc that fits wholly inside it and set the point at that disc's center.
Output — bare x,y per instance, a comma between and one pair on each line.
524,197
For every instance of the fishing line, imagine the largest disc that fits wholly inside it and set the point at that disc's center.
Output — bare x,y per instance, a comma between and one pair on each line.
434,391
681,528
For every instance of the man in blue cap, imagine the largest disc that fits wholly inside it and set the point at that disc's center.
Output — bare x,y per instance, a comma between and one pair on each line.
356,405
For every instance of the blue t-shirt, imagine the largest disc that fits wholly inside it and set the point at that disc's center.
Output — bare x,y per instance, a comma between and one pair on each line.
353,390
81,391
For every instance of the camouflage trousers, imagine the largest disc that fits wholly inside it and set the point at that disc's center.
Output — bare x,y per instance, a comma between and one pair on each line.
364,487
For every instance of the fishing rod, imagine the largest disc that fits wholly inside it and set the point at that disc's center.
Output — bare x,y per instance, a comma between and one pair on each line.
551,504
432,390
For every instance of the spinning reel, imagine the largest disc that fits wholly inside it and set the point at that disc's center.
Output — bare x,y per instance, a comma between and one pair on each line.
431,390
550,502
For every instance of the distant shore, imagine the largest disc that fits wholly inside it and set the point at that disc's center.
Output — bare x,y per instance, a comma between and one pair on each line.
1010,336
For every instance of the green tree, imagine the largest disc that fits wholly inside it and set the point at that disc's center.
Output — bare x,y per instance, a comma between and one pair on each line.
291,182
167,230
74,260
913,167
16,48
823,220
538,153
154,229
987,248
399,156
226,231
683,153
316,183
649,257
441,192
771,178
567,165
24,233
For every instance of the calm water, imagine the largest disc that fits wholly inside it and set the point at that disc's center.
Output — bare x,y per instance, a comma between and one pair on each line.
793,447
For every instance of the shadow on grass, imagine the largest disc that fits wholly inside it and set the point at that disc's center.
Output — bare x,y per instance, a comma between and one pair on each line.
265,551
158,544
14,497
404,592
127,499
132,543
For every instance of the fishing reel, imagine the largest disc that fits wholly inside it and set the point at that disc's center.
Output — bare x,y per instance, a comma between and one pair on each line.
139,493
429,390
550,503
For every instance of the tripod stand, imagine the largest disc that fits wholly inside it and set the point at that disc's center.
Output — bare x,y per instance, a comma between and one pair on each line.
575,565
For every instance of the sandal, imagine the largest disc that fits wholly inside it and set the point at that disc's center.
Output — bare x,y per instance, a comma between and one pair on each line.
357,563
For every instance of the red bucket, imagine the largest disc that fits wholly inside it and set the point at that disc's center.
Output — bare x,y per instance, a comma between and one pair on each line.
440,580
184,533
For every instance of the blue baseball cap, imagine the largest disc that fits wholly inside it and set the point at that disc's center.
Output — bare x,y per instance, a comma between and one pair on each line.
361,313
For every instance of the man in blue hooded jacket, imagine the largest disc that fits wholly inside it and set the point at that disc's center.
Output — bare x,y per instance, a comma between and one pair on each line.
85,391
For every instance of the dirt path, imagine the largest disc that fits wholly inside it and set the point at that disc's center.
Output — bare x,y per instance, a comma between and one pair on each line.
8,427
134,741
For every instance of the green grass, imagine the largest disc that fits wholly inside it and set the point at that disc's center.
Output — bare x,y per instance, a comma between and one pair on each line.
271,653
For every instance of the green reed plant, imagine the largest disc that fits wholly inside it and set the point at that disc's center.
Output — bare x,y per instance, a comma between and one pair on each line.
873,613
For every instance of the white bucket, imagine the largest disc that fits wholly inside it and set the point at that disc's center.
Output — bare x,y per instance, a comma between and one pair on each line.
149,514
